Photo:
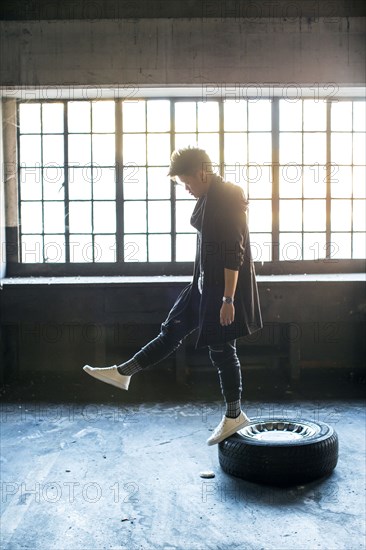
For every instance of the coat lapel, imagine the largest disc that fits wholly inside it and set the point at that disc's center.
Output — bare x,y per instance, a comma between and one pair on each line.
209,215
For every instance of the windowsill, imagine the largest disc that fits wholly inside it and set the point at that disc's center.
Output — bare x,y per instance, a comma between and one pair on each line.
162,279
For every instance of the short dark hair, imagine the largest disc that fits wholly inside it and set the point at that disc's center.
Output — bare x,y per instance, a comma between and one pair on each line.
188,161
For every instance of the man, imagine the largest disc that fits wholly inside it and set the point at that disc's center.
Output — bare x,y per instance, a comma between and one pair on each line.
222,299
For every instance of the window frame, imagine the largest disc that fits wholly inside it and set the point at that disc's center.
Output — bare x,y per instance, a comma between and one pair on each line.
276,266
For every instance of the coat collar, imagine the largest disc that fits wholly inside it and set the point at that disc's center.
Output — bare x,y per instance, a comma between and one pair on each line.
208,215
211,194
217,181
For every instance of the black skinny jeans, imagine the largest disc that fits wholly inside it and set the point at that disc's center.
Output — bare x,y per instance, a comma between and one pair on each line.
180,322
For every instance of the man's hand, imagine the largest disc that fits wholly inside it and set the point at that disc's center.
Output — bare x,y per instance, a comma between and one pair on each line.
227,314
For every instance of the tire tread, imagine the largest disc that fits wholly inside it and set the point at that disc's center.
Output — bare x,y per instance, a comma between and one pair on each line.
279,464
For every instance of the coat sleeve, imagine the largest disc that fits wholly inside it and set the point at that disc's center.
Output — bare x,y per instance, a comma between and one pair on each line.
234,229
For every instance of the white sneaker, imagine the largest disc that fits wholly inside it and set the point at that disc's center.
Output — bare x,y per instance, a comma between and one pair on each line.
228,426
110,375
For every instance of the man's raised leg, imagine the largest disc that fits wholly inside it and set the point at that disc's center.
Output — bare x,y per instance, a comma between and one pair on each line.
181,321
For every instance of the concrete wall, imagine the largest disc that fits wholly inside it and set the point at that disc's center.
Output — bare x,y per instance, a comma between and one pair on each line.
132,9
61,326
191,43
183,51
9,216
2,201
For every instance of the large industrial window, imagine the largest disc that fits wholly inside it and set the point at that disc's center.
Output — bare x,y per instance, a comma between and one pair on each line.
93,187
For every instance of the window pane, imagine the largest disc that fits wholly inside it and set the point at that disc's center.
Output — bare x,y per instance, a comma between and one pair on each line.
359,181
54,249
314,148
185,116
290,181
184,140
260,185
359,116
53,150
208,116
341,182
290,148
260,215
314,178
183,215
159,216
359,217
32,249
53,183
135,249
186,248
30,184
80,217
290,246
314,246
134,149
314,215
261,247
134,182
340,245
158,115
78,116
290,115
54,217
105,248
341,116
104,217
260,115
80,183
235,115
158,149
210,143
260,148
359,148
341,148
235,148
341,215
104,185
290,215
135,217
158,183
31,217
79,150
134,116
103,116
30,118
160,248
104,150
52,117
30,150
359,245
81,248
314,115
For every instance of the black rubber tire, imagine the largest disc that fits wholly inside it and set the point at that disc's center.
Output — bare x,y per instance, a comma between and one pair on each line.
280,463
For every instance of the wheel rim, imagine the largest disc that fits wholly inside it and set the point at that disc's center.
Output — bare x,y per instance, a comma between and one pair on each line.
278,430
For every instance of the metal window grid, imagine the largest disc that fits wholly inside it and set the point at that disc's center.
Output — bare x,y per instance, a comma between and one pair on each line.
120,266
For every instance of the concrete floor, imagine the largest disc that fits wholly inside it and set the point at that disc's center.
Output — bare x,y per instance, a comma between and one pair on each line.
115,473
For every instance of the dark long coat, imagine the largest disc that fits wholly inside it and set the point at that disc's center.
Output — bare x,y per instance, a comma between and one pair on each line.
225,243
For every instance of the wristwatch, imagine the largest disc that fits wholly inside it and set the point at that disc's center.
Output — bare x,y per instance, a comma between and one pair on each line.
228,300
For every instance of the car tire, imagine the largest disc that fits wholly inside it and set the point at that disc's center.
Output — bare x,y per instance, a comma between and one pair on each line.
280,451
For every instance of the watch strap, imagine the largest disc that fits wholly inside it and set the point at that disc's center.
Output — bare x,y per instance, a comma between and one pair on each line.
228,299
